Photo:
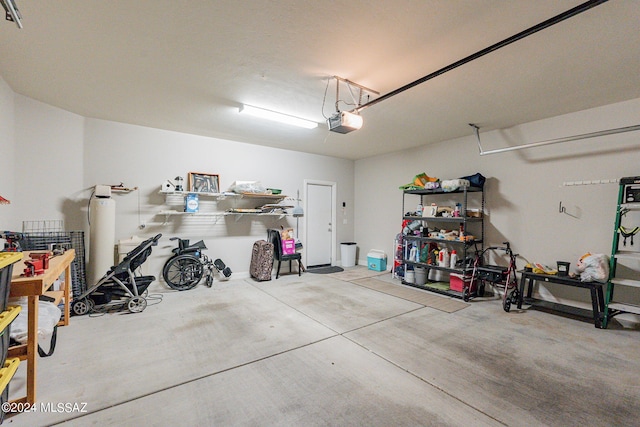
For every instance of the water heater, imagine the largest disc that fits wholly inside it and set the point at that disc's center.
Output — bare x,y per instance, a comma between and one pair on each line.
102,231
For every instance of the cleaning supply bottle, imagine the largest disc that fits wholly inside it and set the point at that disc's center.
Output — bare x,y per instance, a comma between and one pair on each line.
412,253
446,257
454,258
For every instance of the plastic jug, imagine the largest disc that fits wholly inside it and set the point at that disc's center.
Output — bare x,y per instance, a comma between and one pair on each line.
454,259
445,258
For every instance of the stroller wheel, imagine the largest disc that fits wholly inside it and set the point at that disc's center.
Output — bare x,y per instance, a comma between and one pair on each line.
137,304
515,296
81,307
465,294
507,305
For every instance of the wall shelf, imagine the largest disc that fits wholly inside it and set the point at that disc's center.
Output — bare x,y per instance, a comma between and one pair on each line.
227,195
123,189
268,209
217,215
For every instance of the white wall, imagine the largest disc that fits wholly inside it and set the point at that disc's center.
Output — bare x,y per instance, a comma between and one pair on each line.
145,157
524,188
7,153
59,157
48,159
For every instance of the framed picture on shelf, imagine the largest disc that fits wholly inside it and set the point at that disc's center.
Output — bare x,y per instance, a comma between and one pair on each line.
203,183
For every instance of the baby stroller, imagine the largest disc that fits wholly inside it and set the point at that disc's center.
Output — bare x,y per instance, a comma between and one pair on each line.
120,285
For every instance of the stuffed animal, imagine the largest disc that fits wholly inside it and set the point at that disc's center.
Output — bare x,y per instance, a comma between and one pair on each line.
593,267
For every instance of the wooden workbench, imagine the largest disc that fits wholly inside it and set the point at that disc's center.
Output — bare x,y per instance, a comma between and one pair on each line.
32,288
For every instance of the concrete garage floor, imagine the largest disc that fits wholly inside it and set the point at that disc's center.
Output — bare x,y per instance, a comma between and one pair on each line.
318,350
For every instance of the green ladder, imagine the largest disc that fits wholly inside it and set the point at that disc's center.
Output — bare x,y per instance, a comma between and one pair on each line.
628,211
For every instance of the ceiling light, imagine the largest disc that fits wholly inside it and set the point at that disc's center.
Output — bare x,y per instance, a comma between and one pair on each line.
278,117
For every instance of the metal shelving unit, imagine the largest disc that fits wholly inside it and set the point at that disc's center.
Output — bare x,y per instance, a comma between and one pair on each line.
465,248
624,264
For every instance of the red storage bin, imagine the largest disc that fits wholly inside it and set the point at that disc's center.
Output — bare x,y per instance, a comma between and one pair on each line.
457,282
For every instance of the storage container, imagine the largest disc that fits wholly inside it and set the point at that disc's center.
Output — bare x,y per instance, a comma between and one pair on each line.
7,260
563,268
410,276
348,254
457,282
9,369
377,260
6,317
421,276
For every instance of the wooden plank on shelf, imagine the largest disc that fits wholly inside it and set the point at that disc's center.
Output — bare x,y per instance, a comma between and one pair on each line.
264,195
56,295
19,351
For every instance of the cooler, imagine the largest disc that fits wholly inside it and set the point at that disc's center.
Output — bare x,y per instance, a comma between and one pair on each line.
377,260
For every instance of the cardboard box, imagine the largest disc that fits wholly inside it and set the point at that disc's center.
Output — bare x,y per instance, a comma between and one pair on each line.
191,203
377,260
457,282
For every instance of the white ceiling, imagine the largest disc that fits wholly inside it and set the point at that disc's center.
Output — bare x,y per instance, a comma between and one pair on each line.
188,65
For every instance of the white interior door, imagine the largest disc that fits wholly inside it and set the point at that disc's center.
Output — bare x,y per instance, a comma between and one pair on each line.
320,219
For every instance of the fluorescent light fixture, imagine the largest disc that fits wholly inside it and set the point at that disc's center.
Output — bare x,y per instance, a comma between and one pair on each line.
277,117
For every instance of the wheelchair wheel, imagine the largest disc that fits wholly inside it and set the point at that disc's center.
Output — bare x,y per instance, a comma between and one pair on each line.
182,272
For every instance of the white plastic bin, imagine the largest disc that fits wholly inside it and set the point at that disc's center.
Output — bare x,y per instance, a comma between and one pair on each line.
421,276
348,254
